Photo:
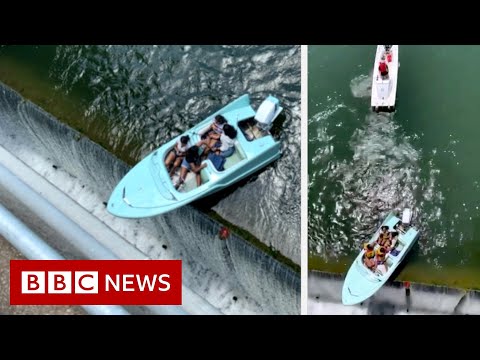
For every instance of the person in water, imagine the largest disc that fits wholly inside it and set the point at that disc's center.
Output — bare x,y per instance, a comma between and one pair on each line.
383,67
369,255
191,162
213,133
177,154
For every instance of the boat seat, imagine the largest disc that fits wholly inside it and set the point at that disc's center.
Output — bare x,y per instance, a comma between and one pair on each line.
236,157
399,246
390,261
191,180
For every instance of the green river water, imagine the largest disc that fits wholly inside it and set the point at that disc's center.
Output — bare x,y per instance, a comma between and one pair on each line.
130,99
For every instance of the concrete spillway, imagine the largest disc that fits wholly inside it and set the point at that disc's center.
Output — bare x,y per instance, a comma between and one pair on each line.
325,297
75,177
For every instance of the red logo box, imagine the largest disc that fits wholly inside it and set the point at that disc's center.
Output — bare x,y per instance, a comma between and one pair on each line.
95,282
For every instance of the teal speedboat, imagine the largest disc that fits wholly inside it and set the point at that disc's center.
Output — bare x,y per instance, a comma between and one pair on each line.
148,190
361,282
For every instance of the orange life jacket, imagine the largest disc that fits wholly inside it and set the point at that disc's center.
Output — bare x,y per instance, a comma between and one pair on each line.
369,253
384,239
380,258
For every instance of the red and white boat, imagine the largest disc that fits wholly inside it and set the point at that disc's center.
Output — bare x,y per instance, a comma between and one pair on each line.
384,88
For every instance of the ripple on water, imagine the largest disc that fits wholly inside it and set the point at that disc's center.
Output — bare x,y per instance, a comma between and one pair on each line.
383,173
149,94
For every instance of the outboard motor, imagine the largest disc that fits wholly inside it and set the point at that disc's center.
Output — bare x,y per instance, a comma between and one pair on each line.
406,216
267,112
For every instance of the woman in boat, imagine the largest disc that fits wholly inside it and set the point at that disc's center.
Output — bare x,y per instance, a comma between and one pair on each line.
385,237
383,68
393,241
191,162
177,154
213,133
225,147
380,260
369,256
399,227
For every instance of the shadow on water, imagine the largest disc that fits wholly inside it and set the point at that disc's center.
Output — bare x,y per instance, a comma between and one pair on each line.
278,126
381,308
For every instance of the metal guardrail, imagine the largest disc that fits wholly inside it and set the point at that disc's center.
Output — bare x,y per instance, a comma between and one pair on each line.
33,247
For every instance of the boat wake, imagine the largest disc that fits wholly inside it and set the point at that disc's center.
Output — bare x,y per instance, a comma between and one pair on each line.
381,172
361,86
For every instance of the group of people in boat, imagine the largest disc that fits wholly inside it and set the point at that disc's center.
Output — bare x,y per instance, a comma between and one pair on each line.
376,253
219,138
383,66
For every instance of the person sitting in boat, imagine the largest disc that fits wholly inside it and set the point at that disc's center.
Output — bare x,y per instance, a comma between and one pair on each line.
380,260
213,133
388,53
225,147
191,162
385,237
369,255
393,242
177,154
383,68
399,227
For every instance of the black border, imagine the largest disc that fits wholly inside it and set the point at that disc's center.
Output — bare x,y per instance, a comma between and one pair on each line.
316,335
240,23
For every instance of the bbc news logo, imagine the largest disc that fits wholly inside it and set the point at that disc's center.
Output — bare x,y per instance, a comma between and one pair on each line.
95,282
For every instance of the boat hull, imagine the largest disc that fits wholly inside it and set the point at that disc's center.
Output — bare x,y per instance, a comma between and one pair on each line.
147,189
360,282
384,90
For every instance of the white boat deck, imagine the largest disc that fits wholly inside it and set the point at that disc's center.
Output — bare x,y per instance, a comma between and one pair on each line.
384,89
